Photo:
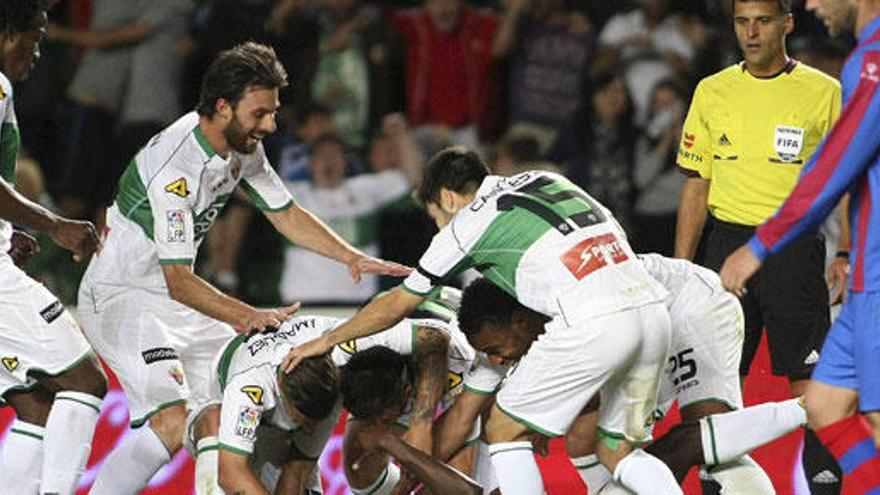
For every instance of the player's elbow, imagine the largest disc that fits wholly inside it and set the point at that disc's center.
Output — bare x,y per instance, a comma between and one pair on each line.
227,475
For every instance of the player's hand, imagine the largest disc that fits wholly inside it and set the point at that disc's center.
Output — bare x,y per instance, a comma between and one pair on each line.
315,347
23,247
838,273
262,319
406,485
539,443
76,236
368,264
737,269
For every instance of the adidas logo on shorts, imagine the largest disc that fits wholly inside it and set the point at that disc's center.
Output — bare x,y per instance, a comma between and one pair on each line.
826,477
813,358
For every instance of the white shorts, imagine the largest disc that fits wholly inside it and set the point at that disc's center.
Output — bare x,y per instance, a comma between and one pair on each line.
36,333
619,355
160,350
707,339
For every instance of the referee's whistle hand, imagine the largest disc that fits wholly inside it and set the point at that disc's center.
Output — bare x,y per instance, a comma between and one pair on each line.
737,269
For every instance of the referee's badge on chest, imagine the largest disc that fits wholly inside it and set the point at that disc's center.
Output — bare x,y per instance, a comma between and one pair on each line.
788,142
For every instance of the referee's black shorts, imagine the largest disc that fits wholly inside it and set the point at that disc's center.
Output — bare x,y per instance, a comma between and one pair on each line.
788,296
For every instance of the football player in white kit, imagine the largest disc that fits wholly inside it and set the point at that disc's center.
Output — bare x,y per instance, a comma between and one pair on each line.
48,373
248,385
156,323
556,250
707,330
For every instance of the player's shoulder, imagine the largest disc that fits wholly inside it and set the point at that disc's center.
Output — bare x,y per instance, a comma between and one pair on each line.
722,78
180,147
815,77
5,88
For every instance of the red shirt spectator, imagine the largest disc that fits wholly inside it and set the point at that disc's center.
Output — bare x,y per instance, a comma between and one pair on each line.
448,57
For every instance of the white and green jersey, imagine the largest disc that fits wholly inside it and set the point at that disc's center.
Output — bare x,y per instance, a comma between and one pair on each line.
352,211
247,369
544,241
169,196
10,142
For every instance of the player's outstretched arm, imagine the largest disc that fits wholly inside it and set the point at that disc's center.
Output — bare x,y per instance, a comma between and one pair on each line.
74,235
383,312
437,476
305,229
187,288
236,477
432,358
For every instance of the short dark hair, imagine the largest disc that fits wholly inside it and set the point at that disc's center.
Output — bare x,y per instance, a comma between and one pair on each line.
309,109
371,381
458,169
21,16
784,5
522,149
484,302
329,138
312,387
245,66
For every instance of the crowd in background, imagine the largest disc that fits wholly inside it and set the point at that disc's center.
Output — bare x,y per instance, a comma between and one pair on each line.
597,90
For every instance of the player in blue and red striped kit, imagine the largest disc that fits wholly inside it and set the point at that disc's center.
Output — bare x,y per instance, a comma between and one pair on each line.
847,378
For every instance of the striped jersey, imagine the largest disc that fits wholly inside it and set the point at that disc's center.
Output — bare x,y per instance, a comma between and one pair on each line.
169,196
10,142
248,367
545,242
848,160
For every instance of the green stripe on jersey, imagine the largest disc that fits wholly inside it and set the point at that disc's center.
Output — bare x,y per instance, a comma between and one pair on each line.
514,230
132,199
10,142
226,358
203,142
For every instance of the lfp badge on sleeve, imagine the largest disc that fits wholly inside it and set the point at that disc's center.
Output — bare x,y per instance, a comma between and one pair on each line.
788,142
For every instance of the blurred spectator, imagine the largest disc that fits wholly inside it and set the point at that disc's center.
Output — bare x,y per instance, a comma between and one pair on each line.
548,48
655,176
605,171
517,153
126,77
350,206
650,44
448,63
310,121
347,57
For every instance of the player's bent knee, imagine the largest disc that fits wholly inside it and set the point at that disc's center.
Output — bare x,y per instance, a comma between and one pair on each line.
86,377
207,424
169,424
610,449
32,406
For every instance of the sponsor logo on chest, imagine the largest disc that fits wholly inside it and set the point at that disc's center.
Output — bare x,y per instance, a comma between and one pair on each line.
592,254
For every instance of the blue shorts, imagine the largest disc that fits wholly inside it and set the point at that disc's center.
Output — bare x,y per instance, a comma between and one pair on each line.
850,357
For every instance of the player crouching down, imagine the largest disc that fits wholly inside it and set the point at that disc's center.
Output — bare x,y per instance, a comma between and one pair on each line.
273,427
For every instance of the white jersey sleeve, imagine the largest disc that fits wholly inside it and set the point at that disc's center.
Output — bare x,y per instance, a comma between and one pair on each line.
262,184
445,258
171,200
483,377
246,398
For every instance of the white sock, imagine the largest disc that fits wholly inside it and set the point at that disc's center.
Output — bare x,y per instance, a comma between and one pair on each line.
728,436
207,465
130,466
516,468
384,484
742,477
22,459
594,474
641,472
68,440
